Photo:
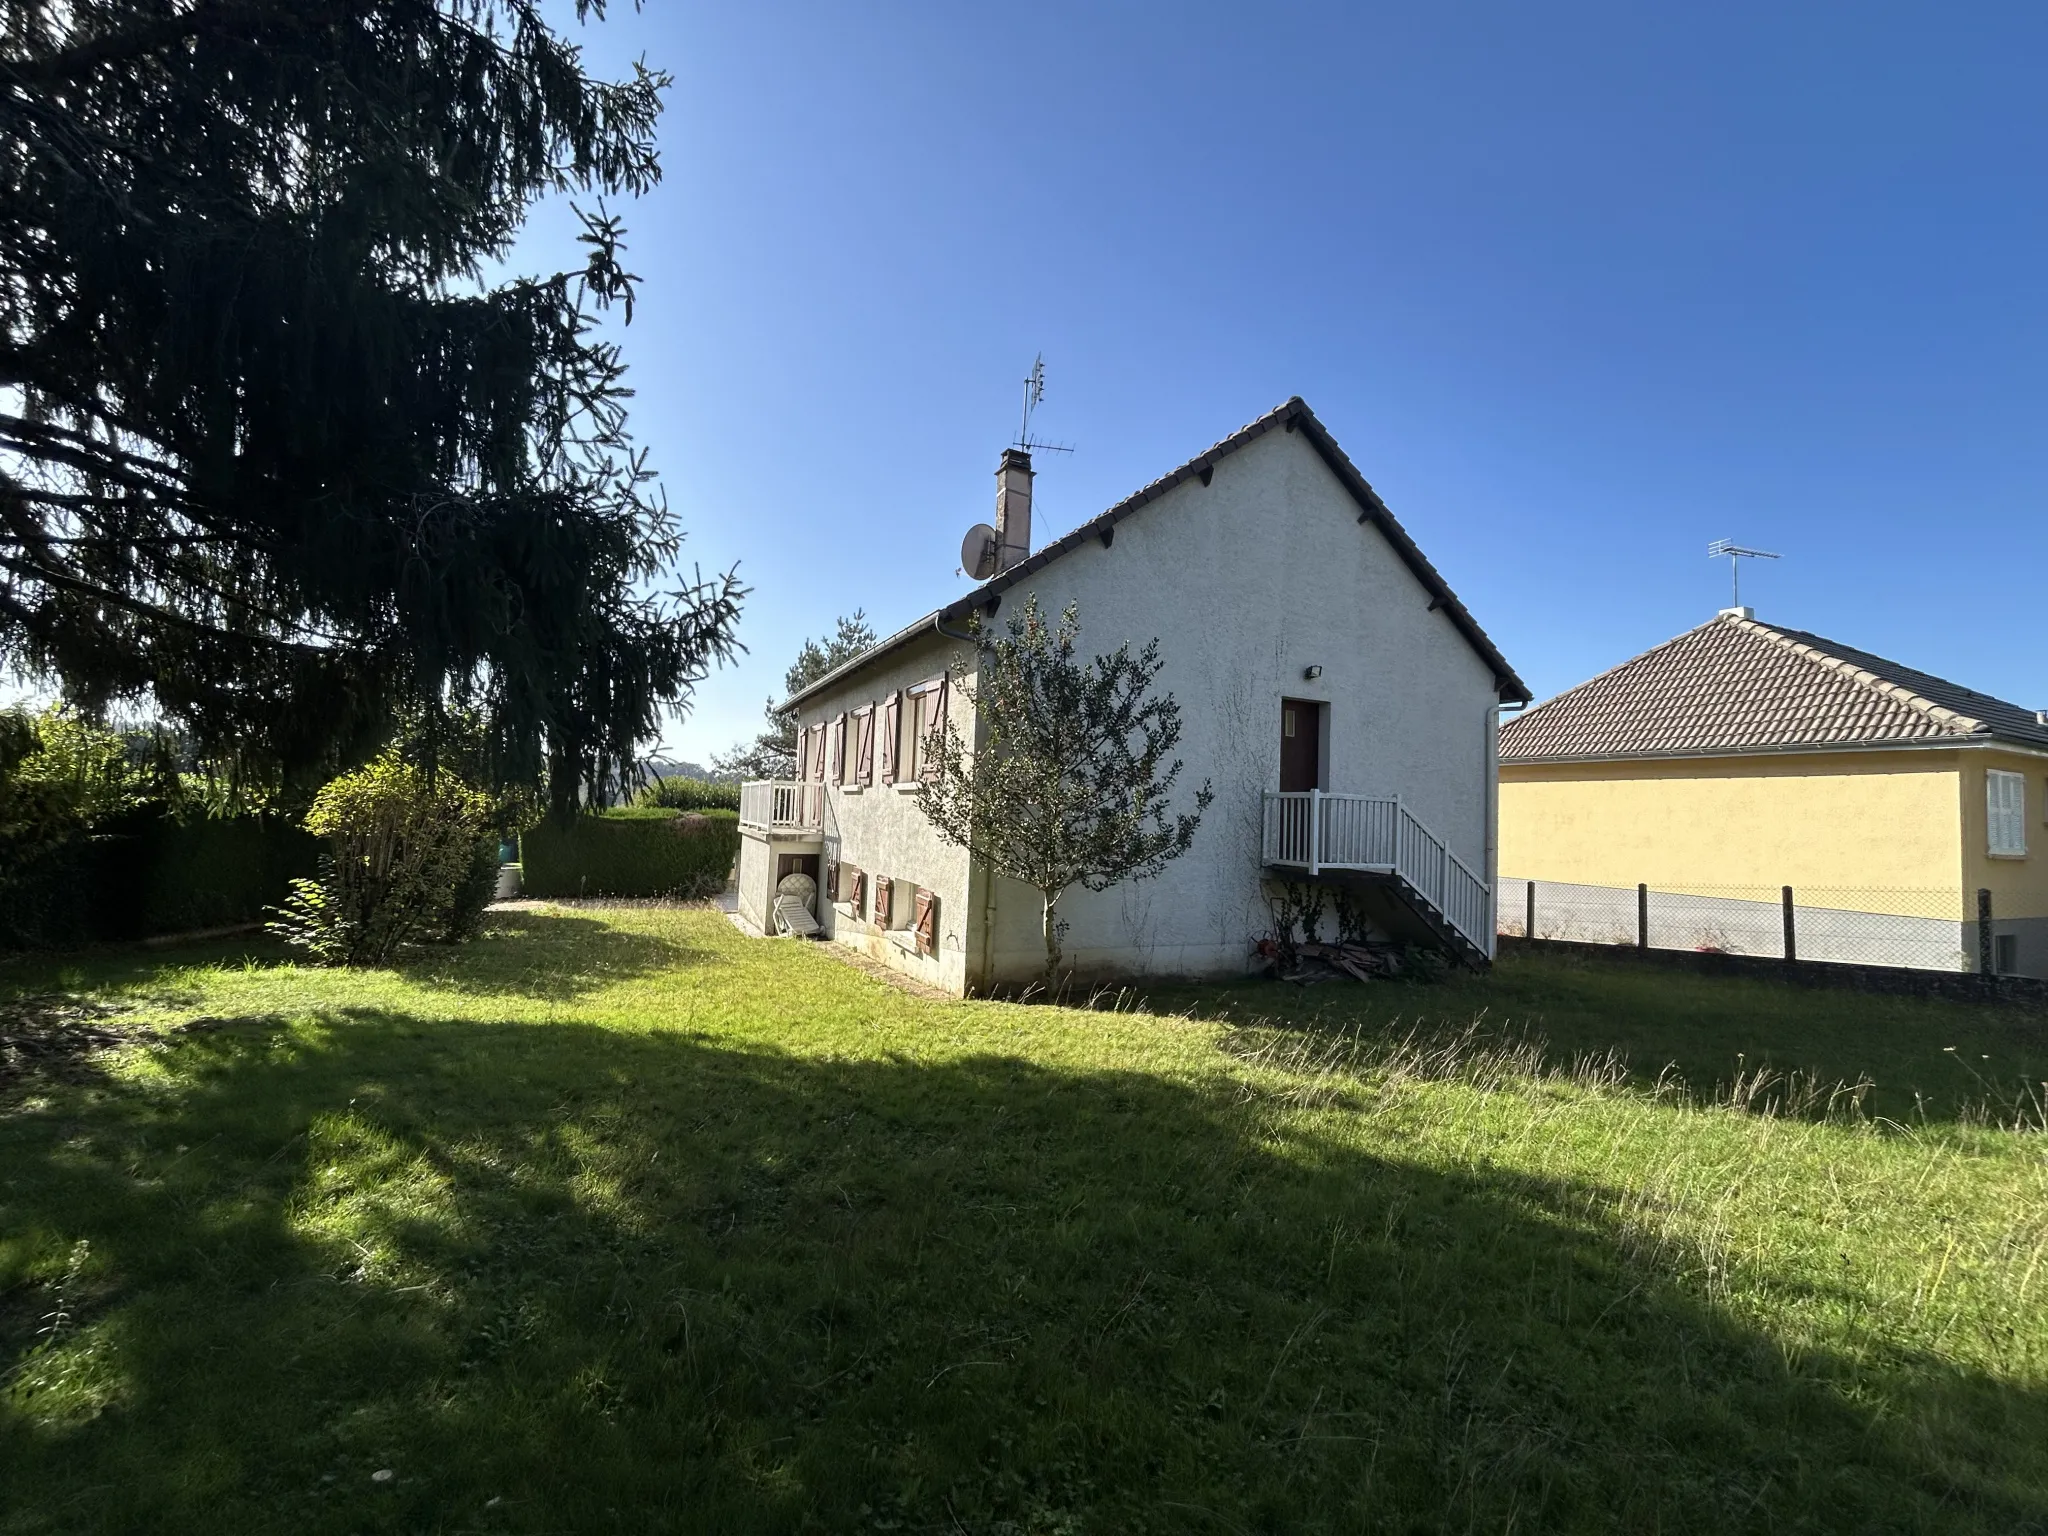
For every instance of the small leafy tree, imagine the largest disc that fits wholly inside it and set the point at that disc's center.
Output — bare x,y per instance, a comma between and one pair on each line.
405,854
772,754
60,774
1071,782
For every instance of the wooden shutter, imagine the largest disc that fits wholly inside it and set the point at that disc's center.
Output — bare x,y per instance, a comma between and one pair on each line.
803,755
927,922
934,729
818,752
837,772
831,879
892,718
884,892
864,747
858,890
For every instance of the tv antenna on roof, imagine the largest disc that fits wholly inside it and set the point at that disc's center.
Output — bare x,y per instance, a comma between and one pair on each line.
1735,554
1034,391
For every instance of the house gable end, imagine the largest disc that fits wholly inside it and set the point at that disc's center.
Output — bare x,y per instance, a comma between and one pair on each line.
1294,417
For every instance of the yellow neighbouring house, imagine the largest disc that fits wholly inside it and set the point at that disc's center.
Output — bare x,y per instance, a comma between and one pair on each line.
1740,758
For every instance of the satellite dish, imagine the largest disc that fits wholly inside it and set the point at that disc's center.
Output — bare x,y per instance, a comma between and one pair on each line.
978,552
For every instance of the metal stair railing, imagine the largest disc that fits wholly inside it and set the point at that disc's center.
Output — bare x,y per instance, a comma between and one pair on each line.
1315,831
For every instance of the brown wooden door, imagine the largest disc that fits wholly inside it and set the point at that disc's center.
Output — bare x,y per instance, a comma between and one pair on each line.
1301,746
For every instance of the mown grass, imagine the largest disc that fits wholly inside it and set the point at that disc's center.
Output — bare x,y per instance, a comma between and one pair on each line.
1910,1059
617,1221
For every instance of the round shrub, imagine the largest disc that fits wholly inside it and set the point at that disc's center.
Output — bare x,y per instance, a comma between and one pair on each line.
405,848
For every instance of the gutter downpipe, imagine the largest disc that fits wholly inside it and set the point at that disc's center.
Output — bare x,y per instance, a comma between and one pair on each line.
939,624
1494,711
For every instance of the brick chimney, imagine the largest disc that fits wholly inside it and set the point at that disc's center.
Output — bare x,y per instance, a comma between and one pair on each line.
1013,508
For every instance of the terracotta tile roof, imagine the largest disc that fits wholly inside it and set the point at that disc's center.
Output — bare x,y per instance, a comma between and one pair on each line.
1291,416
1734,685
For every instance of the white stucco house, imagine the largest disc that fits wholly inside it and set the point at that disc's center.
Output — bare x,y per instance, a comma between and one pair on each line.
1338,697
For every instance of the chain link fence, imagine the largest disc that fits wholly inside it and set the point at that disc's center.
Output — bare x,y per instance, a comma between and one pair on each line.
1931,929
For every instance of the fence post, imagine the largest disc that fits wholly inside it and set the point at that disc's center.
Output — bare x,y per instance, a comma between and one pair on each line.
1315,832
1791,941
1642,917
1984,955
1529,901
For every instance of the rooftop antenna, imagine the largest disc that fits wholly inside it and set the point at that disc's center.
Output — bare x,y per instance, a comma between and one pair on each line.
1735,554
1034,391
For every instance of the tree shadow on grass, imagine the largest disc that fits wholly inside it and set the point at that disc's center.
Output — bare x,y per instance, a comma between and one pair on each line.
563,1278
552,956
1926,1060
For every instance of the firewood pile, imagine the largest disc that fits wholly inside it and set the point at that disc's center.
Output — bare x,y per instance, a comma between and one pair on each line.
1312,963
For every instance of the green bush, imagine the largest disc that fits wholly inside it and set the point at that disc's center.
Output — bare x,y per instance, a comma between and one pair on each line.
473,893
62,779
680,794
95,845
405,848
637,851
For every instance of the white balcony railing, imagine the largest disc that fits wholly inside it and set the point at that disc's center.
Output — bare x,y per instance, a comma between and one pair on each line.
1315,831
780,805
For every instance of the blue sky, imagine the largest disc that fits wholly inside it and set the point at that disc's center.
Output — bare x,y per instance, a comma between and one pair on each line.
1579,287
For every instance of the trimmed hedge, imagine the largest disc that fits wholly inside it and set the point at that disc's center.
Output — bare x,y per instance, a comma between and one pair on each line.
681,794
208,872
150,873
635,851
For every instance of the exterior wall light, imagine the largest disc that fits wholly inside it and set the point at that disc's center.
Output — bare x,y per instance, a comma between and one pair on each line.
1312,673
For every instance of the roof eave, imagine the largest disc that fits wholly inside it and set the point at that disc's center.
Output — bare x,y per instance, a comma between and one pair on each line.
1789,749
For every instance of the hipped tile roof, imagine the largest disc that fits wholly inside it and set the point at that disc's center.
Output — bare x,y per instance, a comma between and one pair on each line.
1735,685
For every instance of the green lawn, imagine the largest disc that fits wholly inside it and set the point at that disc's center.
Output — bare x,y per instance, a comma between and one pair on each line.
615,1221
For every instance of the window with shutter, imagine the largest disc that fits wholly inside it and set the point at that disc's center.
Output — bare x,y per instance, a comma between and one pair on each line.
864,747
2005,808
884,899
935,722
927,709
927,922
831,879
892,708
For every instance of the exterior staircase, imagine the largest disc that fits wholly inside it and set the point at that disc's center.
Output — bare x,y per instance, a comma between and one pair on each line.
1377,841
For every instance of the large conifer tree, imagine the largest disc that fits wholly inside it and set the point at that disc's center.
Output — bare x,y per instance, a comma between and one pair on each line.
273,454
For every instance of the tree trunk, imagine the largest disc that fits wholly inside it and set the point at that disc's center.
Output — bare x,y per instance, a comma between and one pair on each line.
1052,936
